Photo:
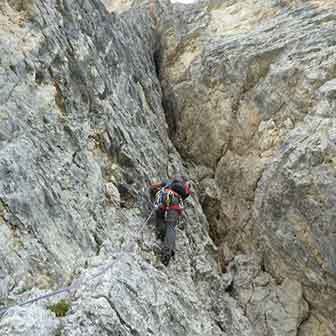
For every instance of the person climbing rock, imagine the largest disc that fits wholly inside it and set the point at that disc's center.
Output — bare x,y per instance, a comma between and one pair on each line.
168,201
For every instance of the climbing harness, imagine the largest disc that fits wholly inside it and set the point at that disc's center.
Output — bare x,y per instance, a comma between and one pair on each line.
77,283
167,198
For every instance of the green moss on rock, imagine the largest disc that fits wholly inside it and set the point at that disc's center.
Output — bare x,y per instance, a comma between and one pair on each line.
60,308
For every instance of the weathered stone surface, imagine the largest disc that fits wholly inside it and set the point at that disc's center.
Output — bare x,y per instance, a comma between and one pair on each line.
65,77
249,97
295,217
133,297
249,91
82,132
30,321
117,6
273,309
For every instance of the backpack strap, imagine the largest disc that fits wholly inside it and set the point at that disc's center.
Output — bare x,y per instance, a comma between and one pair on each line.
165,199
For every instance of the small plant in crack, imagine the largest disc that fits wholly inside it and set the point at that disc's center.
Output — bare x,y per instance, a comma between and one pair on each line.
60,308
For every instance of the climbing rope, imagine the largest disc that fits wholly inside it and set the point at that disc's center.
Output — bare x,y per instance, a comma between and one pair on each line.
145,223
77,283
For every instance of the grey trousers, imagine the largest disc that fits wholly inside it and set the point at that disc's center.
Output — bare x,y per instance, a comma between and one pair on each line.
166,228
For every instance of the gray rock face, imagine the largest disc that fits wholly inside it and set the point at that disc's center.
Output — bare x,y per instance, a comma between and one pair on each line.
82,132
133,297
68,131
31,321
274,309
249,91
295,216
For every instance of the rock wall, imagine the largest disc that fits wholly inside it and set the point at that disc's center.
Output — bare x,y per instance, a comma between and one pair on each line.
91,97
83,132
74,95
249,89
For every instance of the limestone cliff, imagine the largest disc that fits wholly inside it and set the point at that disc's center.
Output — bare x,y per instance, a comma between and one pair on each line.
98,100
249,89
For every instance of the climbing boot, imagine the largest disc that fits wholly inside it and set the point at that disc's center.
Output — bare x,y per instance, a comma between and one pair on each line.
165,257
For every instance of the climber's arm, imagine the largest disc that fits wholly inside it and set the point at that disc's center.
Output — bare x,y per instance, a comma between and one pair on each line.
155,187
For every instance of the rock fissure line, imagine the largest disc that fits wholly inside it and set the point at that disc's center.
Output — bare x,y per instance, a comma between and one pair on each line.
121,319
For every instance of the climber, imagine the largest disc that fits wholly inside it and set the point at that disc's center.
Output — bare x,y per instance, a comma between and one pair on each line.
168,201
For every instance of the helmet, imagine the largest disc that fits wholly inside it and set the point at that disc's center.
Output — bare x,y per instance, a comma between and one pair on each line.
180,178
